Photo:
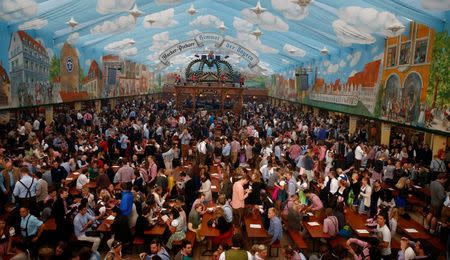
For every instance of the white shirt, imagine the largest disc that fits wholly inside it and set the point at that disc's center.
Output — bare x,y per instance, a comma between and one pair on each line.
36,125
201,147
359,153
385,237
182,120
409,253
81,181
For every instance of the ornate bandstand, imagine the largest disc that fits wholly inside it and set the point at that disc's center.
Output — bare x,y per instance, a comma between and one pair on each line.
211,84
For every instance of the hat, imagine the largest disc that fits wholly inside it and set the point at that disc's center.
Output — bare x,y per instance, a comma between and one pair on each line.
115,244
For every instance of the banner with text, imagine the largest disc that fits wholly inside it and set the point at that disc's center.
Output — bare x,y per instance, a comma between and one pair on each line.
199,41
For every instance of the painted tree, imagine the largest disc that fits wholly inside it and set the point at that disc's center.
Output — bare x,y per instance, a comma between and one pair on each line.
54,68
439,93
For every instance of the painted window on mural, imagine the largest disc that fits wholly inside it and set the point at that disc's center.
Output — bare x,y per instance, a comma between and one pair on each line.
405,53
391,57
420,54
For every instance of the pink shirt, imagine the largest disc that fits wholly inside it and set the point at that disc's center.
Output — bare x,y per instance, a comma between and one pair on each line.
237,200
330,226
322,152
294,151
316,203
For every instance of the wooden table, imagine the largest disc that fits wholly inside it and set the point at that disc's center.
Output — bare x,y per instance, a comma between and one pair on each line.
208,232
255,218
316,232
421,233
72,177
156,230
105,226
215,184
92,184
356,221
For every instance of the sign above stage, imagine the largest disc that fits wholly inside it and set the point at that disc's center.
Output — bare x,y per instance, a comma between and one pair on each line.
200,40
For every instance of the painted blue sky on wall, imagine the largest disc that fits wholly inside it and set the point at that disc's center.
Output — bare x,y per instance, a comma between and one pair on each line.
293,32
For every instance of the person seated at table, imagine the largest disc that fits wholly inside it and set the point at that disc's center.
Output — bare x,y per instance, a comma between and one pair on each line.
157,194
20,249
330,223
176,226
224,227
61,252
316,205
236,252
275,227
82,223
200,200
195,220
82,179
360,249
138,180
206,187
220,249
338,212
228,211
156,249
393,221
291,254
119,228
289,204
259,252
86,194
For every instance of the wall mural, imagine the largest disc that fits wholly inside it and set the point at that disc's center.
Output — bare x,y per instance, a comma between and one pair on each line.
31,73
404,80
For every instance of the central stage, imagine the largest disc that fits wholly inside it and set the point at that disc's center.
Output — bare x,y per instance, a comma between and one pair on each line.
210,96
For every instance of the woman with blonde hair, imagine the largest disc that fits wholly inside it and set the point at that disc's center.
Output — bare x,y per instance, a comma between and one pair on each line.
393,221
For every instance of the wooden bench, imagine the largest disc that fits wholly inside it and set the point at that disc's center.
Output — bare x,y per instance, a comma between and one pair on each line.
338,240
190,236
297,239
277,246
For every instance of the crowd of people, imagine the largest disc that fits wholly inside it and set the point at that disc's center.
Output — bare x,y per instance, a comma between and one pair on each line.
152,164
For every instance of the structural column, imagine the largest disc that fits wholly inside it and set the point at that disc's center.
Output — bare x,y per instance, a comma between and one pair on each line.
112,103
385,133
439,142
77,106
48,115
98,106
352,125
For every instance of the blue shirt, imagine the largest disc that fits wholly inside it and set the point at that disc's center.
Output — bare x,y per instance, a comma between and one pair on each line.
26,187
2,183
275,229
79,222
123,142
162,253
226,150
29,225
269,132
126,204
292,186
11,179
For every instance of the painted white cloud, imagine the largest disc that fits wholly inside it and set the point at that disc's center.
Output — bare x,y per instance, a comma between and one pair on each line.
129,52
33,24
374,50
326,63
193,33
294,51
290,10
206,21
285,62
121,24
333,68
242,25
245,38
436,4
359,25
73,38
50,52
161,41
88,62
162,19
118,45
17,10
114,6
167,1
355,57
342,63
267,21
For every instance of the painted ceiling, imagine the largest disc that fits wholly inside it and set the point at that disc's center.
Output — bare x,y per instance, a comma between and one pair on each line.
282,33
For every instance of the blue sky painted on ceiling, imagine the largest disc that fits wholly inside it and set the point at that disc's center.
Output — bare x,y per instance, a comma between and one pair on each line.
292,35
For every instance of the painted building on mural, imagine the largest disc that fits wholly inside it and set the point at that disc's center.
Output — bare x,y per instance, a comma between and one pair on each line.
70,81
406,75
93,82
111,67
5,88
129,78
28,63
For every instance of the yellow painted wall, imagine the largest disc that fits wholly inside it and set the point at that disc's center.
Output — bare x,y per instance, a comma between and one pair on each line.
417,32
